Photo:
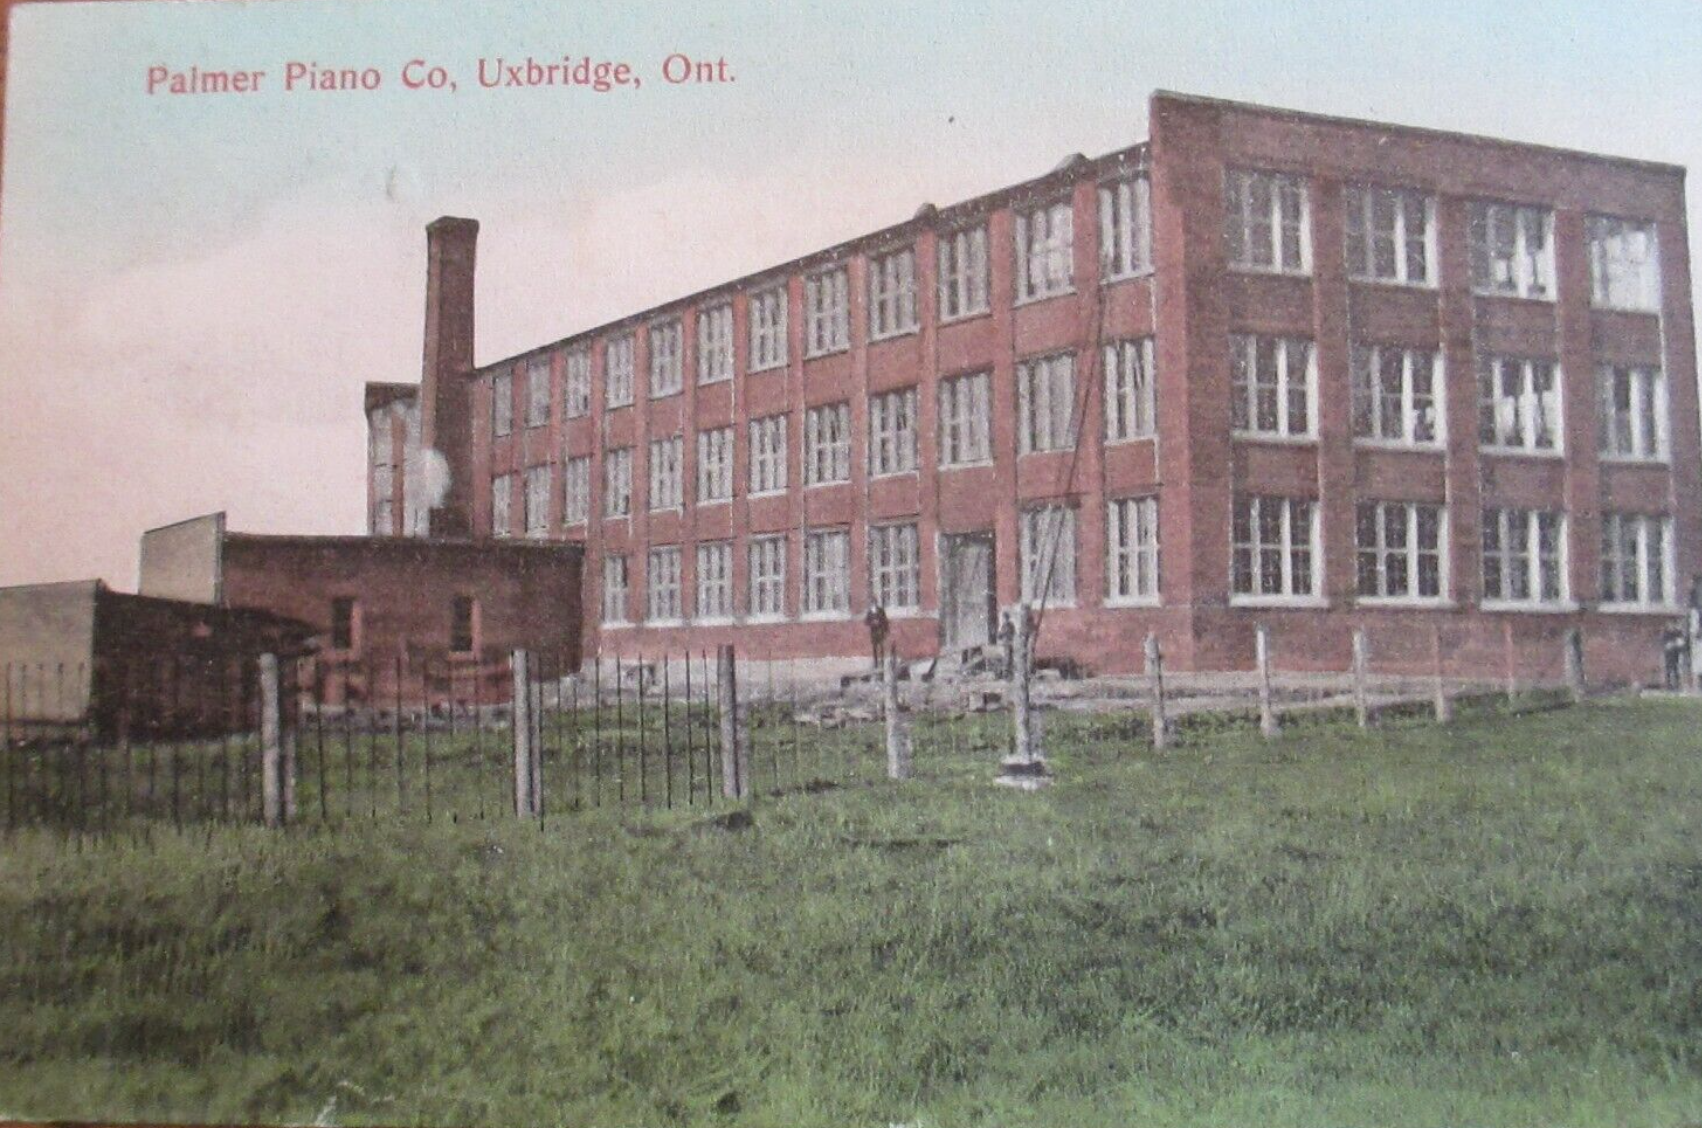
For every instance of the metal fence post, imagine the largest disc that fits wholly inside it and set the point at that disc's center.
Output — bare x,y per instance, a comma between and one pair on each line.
735,756
272,792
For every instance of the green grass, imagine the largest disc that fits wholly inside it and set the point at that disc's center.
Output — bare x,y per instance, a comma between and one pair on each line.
1497,923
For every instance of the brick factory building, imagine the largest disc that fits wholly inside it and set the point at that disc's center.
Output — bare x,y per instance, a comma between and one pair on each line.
1264,367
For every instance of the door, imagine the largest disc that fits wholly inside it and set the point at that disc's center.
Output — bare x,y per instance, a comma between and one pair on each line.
966,591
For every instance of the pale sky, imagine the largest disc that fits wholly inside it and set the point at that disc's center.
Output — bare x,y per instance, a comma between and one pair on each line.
194,289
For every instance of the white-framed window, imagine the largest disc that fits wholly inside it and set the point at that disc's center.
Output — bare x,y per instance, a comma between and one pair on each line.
1632,411
1047,546
1397,395
1125,228
617,482
538,391
963,273
1273,385
667,351
1391,234
1046,403
1511,250
767,311
1131,550
662,585
1045,251
1518,404
767,576
615,589
502,505
827,572
892,432
1624,264
536,514
714,465
715,344
1130,407
827,444
576,383
1524,556
617,371
895,566
502,403
1636,560
1401,547
892,293
667,472
576,490
965,415
715,580
768,455
827,312
1266,217
1274,548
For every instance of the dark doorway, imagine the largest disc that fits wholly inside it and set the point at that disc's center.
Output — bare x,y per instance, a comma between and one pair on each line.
967,603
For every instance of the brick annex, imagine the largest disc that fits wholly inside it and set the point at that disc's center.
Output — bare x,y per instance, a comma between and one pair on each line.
1266,367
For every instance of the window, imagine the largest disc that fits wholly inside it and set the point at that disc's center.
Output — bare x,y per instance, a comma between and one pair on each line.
1048,548
1512,250
662,585
1524,556
384,517
1271,383
827,444
1045,251
576,383
1391,234
1518,404
576,490
617,372
666,351
1624,265
617,483
715,580
715,344
892,294
1129,408
343,623
827,316
768,455
1636,569
1396,395
768,577
768,328
463,624
1265,214
1131,557
1125,228
892,432
502,498
667,472
614,589
827,572
895,566
1400,550
965,408
536,502
963,273
1274,547
538,392
714,465
1045,400
502,403
1633,412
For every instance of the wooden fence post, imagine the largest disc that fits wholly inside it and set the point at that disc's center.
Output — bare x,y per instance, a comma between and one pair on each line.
1510,660
1361,669
274,795
525,789
1155,674
735,755
1575,663
1444,704
1268,725
1022,720
898,752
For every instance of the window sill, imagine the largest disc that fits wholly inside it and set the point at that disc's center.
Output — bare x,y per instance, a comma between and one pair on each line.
577,523
617,406
712,502
665,623
1130,440
760,494
1274,439
775,367
845,481
894,335
1278,602
1502,295
1439,446
667,509
1036,299
1647,311
1113,279
1521,452
1303,273
713,621
1657,461
713,380
1136,601
877,476
908,613
617,516
969,315
616,625
1565,607
836,350
1393,284
1406,602
571,415
1665,610
667,395
825,617
977,464
531,426
764,620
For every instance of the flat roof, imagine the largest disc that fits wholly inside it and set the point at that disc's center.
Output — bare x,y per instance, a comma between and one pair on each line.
412,544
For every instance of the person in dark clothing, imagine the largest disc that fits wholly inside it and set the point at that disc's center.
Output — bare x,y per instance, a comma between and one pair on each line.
1675,650
879,627
1007,640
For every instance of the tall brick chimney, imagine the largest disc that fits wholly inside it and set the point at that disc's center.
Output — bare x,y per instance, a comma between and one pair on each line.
446,405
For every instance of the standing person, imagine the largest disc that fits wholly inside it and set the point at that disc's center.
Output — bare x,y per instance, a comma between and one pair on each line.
1007,640
878,625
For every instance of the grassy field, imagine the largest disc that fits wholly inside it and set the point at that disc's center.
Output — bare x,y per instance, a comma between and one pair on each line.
1499,923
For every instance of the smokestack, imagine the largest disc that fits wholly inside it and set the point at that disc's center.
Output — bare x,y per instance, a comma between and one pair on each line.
446,406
